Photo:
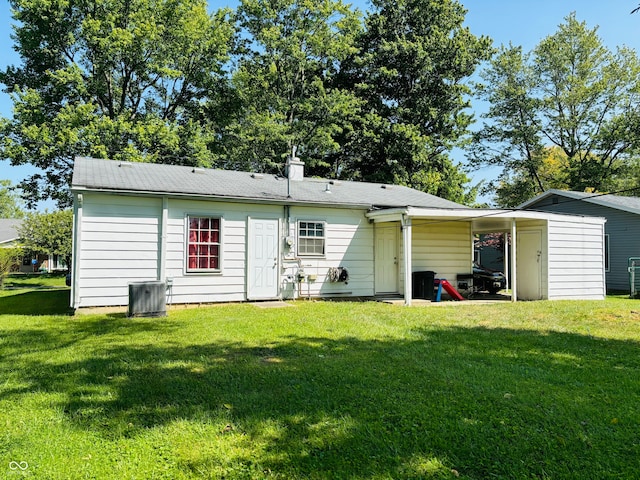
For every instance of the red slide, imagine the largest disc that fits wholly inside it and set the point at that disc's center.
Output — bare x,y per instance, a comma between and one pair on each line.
450,290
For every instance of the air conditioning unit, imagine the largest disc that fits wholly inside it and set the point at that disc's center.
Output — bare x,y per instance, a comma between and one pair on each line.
147,299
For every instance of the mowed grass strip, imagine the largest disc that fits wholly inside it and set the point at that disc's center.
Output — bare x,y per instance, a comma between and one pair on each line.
325,390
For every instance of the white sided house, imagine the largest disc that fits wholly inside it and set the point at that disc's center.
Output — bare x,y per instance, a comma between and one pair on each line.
226,236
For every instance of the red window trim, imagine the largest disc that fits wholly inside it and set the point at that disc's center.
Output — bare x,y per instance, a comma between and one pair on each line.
203,252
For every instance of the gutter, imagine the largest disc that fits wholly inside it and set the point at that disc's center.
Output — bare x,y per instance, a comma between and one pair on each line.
268,200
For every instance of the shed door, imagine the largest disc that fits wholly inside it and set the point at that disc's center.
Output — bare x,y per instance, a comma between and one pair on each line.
529,266
386,258
262,259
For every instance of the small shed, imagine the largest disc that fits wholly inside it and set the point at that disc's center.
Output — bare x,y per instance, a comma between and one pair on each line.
622,229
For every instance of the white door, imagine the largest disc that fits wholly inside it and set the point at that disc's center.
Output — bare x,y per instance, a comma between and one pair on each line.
262,259
386,258
529,266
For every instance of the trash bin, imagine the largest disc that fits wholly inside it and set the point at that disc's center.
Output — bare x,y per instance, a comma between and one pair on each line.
422,284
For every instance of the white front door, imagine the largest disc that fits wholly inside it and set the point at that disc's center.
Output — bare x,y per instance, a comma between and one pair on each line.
262,259
529,265
386,258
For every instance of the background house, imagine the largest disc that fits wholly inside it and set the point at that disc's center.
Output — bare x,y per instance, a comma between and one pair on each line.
622,230
8,232
44,263
219,236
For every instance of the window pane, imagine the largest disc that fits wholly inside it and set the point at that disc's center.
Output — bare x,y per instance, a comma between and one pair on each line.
203,246
311,238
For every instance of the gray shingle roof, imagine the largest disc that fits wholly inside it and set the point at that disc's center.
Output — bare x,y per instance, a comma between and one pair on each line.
627,204
110,175
8,229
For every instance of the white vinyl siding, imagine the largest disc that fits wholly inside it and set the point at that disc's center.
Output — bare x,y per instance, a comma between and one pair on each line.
576,260
348,244
229,284
622,227
119,245
444,248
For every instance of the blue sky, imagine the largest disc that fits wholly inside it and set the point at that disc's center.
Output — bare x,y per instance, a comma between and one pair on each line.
520,22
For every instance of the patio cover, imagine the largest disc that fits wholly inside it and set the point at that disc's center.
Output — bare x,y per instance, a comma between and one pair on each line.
481,220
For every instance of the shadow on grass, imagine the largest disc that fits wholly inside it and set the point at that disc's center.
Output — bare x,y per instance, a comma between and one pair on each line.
35,280
41,302
487,403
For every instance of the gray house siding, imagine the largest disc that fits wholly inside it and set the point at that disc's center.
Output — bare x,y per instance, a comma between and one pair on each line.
622,228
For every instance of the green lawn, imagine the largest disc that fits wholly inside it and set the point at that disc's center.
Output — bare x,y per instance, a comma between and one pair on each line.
34,294
324,390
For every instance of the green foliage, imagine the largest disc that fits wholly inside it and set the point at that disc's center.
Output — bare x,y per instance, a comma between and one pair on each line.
110,78
10,203
9,259
50,233
413,57
570,92
380,99
289,56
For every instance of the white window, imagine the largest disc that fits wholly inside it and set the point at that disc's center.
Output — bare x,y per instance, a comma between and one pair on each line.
203,244
311,238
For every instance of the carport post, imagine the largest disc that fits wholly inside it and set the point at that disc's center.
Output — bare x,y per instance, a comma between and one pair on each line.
406,248
514,273
507,261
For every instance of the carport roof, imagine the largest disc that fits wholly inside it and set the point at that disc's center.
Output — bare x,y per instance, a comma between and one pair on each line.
481,219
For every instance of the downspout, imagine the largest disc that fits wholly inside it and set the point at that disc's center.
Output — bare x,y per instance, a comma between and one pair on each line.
514,269
406,248
162,257
77,238
284,246
505,256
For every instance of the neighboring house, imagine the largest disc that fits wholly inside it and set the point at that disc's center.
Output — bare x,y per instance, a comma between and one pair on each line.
9,235
9,232
9,238
489,255
227,236
622,230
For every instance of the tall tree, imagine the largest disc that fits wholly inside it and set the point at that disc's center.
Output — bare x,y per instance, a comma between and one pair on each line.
414,58
10,203
109,78
49,232
570,92
285,96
